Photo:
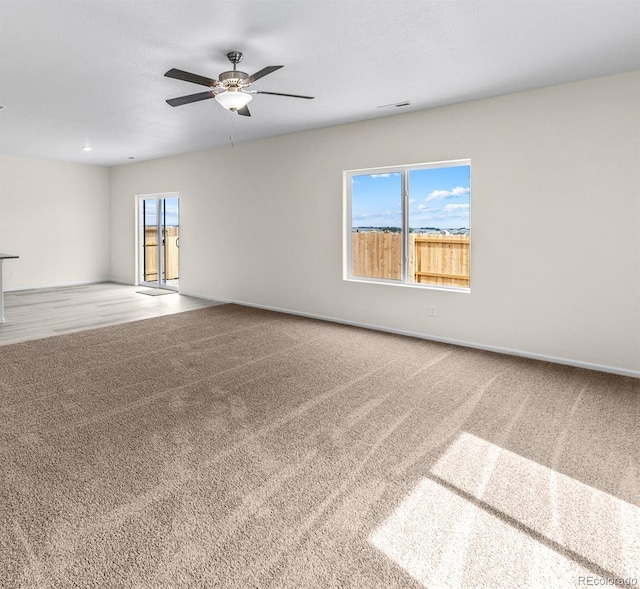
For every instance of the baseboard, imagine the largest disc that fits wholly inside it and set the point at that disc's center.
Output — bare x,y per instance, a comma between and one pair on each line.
58,285
462,343
208,298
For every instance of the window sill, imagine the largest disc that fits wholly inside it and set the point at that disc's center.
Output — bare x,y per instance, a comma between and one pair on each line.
395,283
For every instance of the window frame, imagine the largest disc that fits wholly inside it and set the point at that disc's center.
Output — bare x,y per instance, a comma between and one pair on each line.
404,171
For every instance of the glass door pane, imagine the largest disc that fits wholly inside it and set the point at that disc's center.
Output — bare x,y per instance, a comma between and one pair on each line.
171,241
150,240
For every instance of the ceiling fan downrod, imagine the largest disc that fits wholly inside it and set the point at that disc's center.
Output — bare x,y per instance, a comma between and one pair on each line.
235,57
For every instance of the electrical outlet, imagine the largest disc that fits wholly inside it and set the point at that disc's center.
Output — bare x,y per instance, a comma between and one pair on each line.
432,310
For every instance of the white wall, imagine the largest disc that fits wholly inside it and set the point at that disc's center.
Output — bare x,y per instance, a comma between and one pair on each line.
54,215
555,255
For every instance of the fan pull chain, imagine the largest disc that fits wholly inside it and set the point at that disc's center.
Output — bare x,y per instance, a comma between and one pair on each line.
232,131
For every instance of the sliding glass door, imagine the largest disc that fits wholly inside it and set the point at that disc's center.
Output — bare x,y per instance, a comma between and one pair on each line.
159,238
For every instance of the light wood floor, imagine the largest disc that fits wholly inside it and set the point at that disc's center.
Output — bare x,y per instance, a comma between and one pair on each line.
38,313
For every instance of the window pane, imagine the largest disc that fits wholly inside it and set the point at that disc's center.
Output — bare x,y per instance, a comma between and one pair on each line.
439,226
376,226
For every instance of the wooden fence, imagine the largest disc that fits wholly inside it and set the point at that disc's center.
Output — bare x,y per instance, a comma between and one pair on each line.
433,259
172,234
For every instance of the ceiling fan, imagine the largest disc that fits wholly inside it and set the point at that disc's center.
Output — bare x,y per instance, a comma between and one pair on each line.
230,89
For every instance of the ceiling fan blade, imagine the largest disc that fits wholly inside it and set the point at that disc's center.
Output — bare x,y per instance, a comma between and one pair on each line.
187,77
244,111
281,94
191,98
261,74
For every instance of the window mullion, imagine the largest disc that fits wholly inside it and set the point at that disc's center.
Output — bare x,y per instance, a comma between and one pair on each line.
405,226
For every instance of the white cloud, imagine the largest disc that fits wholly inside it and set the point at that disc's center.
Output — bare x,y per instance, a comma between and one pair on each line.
377,216
456,208
388,175
444,194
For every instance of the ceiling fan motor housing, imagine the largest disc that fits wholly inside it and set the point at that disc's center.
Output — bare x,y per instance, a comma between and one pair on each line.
232,78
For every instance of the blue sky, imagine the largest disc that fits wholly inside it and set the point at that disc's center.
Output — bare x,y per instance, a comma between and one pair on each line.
171,208
438,197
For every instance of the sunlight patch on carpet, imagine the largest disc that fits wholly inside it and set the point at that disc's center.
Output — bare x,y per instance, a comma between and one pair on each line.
488,515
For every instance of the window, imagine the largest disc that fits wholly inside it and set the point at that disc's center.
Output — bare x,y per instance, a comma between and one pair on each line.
409,224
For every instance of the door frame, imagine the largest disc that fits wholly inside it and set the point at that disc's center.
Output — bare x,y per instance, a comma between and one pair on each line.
140,239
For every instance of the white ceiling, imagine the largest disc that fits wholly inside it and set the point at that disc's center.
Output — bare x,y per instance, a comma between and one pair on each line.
76,72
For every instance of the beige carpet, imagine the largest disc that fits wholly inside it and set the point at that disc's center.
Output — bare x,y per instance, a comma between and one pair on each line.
234,447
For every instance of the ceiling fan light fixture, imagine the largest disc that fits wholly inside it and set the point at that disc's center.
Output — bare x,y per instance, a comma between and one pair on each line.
230,89
233,99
